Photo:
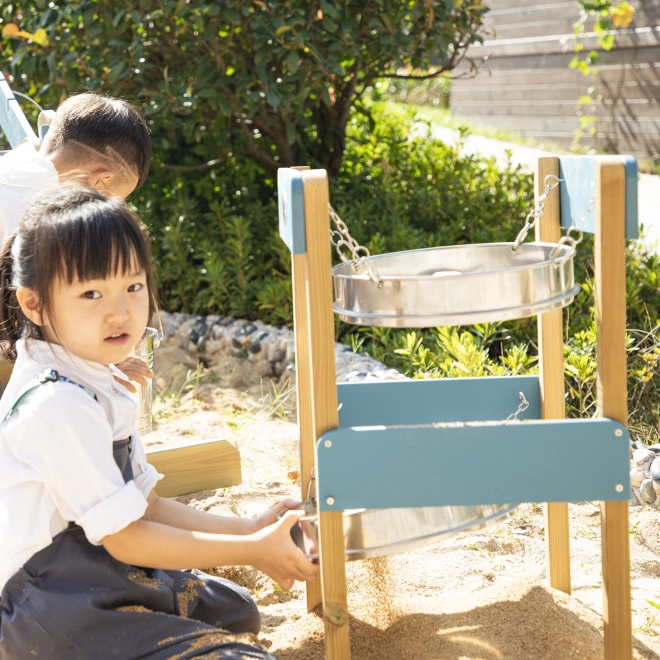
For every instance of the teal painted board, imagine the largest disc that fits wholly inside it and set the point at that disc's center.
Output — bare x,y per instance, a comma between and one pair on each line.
577,191
13,122
291,204
471,464
632,211
410,402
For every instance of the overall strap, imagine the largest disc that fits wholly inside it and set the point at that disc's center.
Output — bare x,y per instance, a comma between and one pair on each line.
48,376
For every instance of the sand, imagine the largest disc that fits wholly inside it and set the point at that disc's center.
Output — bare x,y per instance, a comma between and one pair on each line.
478,596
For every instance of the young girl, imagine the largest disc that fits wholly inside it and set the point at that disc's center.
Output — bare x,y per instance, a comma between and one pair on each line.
77,508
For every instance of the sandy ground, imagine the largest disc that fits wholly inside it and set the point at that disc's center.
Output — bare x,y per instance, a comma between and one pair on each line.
477,596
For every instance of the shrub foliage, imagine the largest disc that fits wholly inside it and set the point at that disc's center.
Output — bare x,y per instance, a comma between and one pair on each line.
274,81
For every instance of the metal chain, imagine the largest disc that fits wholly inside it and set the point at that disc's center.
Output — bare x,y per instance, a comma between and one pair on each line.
524,404
537,212
568,239
341,237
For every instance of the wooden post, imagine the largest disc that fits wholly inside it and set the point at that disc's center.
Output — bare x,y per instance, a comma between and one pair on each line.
551,366
611,383
304,390
321,331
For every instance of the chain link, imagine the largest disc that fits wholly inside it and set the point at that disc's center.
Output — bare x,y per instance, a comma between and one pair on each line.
537,211
569,240
341,237
524,404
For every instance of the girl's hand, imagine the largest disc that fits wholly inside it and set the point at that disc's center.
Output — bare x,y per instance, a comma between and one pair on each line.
272,515
135,369
276,555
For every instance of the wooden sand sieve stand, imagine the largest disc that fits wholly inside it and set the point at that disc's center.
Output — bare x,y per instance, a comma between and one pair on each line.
410,463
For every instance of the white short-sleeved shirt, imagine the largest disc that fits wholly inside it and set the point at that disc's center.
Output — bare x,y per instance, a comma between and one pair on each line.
24,175
56,460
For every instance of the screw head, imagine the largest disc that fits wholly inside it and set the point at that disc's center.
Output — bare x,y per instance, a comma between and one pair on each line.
329,501
618,433
618,488
327,443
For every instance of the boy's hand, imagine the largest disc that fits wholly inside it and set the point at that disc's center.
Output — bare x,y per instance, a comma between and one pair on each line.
276,555
272,515
135,369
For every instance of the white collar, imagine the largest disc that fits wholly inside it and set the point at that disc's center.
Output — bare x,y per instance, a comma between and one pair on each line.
35,351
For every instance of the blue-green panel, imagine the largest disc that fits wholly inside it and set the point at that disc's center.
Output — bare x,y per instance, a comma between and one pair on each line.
577,189
13,122
632,213
291,209
470,464
437,400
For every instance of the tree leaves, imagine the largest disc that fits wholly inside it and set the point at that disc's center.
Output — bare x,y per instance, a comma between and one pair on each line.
269,63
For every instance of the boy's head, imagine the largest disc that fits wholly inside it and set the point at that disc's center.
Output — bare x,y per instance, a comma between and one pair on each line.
101,141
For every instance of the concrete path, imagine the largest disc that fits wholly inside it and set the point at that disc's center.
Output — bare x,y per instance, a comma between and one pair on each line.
648,191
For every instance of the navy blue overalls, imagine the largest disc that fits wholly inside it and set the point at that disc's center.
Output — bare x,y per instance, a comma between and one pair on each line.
73,601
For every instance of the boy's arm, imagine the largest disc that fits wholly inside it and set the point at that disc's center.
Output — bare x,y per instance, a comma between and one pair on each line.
173,513
271,550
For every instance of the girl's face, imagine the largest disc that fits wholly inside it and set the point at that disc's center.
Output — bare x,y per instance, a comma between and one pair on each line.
99,320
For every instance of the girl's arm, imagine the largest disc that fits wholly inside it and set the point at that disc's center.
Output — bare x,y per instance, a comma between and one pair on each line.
271,550
175,514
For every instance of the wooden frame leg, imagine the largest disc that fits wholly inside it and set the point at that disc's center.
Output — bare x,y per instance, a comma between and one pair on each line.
304,393
333,579
551,364
321,332
611,384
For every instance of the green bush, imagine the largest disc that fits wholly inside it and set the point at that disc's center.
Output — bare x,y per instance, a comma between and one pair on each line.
215,235
272,81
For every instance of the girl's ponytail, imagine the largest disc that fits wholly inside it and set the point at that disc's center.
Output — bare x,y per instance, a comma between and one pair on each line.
10,311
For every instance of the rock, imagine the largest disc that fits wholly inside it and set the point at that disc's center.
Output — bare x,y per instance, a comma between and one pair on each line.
197,329
646,469
655,468
647,491
655,447
263,369
636,477
641,456
255,347
278,355
633,498
656,485
638,495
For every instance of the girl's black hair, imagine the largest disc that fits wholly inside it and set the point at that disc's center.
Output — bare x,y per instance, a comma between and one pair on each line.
75,234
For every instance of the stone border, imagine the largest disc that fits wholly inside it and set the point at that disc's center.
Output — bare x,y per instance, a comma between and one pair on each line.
645,474
270,349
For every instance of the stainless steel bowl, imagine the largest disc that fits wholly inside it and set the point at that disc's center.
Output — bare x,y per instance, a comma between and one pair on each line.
379,532
455,285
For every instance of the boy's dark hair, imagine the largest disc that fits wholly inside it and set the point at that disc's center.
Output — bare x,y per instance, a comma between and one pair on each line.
76,234
108,127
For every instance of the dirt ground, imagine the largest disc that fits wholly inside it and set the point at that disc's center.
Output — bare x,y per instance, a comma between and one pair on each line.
477,596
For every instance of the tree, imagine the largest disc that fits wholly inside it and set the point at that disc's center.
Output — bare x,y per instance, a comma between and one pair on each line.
274,80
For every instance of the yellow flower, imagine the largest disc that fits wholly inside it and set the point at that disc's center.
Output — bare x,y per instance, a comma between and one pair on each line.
622,15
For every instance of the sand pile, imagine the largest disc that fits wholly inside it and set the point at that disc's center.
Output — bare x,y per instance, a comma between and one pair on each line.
521,621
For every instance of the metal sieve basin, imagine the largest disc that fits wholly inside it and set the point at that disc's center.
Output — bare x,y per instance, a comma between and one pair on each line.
455,285
380,532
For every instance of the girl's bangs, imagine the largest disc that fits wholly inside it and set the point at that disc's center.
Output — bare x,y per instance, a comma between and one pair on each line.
99,245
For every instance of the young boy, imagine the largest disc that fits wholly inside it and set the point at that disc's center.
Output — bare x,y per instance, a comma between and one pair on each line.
99,141
95,140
